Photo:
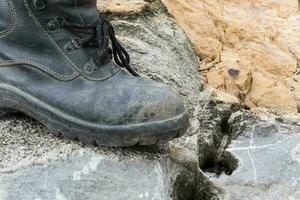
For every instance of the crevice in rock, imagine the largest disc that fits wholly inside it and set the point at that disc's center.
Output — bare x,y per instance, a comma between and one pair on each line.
224,126
206,190
227,164
215,123
195,185
185,187
214,159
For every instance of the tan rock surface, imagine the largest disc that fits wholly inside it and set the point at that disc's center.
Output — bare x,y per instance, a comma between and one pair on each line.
219,96
249,48
122,7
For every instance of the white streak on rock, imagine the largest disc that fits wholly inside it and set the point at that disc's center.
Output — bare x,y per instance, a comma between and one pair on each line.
250,156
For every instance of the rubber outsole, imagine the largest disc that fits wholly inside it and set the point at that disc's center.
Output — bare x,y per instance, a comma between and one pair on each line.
61,124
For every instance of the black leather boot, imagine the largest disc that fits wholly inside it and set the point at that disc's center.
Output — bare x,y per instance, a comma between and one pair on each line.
56,66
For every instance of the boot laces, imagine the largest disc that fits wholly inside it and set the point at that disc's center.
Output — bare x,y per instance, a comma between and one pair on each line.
100,35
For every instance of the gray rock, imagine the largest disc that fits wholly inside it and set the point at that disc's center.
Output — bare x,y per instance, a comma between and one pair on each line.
268,152
247,155
35,165
93,176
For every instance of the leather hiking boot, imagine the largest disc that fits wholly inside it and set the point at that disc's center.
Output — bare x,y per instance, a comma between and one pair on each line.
62,65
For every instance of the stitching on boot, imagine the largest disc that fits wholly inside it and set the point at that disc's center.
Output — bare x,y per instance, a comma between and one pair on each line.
7,63
64,57
12,26
51,72
100,79
76,8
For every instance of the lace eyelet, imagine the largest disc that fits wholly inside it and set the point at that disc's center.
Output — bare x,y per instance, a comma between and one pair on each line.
60,19
39,4
53,25
56,23
91,67
72,45
88,68
75,43
69,47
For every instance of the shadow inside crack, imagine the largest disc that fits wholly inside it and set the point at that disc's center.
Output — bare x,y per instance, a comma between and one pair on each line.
185,186
227,163
216,135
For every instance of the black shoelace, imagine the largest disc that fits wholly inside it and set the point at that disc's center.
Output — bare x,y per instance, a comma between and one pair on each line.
100,35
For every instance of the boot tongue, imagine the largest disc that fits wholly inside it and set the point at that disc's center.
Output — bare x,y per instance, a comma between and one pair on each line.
77,11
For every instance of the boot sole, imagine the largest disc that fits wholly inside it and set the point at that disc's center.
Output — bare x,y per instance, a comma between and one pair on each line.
60,124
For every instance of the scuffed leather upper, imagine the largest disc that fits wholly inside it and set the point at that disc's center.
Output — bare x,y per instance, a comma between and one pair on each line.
42,68
6,15
79,11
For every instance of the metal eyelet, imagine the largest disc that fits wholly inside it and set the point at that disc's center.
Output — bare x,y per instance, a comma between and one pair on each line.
56,23
72,45
88,68
69,47
53,25
91,67
39,4
60,19
75,43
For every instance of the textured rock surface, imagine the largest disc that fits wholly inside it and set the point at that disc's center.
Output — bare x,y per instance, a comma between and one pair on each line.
268,152
93,175
249,49
122,7
35,165
247,155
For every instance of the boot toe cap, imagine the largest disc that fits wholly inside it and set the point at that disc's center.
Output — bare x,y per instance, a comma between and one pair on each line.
154,102
129,101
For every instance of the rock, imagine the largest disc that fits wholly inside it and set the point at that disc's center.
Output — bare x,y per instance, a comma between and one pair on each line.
253,37
283,8
215,136
215,133
272,98
268,152
245,154
221,97
199,28
93,176
35,165
122,7
215,79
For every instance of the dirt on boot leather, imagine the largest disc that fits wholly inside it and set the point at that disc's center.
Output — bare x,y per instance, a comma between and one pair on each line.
62,65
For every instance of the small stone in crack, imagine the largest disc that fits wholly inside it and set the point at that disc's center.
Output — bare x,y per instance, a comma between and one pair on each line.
233,73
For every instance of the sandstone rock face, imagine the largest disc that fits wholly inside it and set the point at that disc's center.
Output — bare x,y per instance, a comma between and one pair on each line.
249,49
120,7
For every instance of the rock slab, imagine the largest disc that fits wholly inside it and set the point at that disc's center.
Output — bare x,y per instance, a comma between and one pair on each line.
92,176
269,164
